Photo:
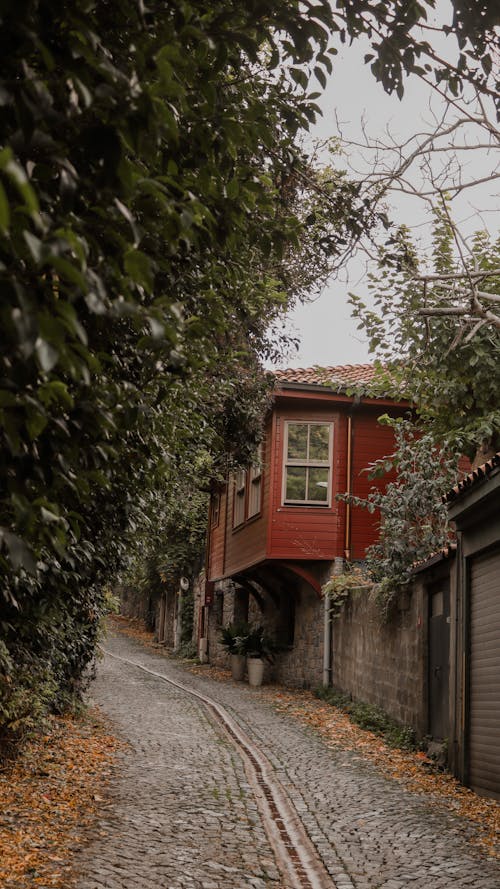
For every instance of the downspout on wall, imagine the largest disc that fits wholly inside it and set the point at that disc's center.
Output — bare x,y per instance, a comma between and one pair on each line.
347,537
327,642
338,567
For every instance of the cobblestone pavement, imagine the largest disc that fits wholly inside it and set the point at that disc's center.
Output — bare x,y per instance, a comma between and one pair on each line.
183,816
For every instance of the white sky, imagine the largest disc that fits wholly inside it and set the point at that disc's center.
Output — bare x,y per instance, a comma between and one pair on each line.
328,335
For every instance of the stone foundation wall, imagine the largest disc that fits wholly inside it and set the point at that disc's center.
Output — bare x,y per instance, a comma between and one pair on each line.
377,662
301,665
221,613
383,663
297,613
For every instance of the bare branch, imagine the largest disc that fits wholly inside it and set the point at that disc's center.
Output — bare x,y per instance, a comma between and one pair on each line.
474,330
485,273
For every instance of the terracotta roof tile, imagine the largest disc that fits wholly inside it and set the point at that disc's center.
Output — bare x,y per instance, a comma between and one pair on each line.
473,477
439,556
342,376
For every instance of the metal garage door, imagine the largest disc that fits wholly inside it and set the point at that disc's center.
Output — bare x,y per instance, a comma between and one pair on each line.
484,724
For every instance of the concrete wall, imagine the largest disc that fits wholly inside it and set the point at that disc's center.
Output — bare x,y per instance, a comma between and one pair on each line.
383,663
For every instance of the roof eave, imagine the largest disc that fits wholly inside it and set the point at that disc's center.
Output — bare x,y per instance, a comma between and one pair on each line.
340,393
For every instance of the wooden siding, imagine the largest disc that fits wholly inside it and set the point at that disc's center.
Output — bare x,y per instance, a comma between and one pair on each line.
215,562
305,532
370,442
246,545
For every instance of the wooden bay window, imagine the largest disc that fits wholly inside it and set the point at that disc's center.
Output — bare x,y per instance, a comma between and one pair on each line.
307,464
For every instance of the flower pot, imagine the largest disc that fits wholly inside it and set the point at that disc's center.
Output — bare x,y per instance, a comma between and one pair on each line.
238,663
255,666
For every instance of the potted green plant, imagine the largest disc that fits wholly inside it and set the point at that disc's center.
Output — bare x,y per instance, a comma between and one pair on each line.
232,639
258,648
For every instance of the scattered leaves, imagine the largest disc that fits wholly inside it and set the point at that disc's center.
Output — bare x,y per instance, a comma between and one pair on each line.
48,800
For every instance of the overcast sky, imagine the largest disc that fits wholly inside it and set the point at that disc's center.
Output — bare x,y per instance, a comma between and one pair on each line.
328,335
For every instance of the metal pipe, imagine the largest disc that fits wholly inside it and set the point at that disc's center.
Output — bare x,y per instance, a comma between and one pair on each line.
347,539
327,642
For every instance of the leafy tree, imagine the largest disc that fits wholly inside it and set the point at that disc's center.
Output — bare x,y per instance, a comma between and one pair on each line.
398,32
143,227
150,164
413,519
426,332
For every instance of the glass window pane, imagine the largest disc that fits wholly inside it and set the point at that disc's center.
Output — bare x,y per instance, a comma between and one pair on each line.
254,497
297,441
319,440
318,485
296,483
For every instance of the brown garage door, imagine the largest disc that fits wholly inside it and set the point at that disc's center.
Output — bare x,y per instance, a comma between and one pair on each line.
484,724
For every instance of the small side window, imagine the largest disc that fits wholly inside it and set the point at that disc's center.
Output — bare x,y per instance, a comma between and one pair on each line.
215,511
255,486
240,487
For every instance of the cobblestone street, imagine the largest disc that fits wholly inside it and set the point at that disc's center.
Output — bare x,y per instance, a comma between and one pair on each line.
183,814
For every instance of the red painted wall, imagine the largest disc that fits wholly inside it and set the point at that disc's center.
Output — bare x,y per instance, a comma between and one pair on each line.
306,533
215,543
370,441
233,549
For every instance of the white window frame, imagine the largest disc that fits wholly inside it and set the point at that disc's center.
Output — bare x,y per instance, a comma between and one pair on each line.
308,464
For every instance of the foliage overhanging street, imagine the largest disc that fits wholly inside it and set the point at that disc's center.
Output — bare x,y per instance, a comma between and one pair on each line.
152,195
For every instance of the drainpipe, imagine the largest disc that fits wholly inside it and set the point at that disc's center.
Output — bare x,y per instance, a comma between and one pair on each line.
347,539
338,567
327,642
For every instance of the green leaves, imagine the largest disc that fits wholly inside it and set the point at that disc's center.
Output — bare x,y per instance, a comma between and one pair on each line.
414,519
4,211
14,172
140,268
20,555
144,239
448,365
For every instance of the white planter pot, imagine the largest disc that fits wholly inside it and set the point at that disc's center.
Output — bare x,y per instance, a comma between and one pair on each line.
238,663
203,650
255,667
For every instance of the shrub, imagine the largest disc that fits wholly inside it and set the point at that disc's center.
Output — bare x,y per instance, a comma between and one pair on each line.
371,718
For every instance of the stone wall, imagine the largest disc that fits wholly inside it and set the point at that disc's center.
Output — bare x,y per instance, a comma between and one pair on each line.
383,662
301,664
221,613
294,619
378,662
135,604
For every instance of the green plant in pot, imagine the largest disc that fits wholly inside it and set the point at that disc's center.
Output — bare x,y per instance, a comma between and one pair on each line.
232,638
259,647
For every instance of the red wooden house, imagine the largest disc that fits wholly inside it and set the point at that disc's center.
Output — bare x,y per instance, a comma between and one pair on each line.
277,529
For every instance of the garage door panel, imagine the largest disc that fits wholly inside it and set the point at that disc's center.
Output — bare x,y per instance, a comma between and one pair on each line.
484,673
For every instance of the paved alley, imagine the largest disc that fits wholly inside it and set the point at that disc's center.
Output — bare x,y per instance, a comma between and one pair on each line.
186,813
